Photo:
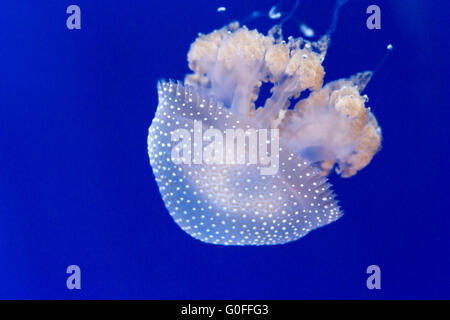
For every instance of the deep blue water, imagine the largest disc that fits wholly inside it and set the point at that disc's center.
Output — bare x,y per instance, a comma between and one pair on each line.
76,186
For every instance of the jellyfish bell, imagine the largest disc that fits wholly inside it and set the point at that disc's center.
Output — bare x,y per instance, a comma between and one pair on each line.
234,204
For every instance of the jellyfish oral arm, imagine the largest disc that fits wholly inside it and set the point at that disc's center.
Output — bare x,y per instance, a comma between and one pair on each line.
231,64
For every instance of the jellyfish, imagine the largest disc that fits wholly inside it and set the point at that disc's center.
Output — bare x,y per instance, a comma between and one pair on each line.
233,203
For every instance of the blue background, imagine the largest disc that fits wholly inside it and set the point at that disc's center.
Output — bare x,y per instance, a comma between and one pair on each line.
76,186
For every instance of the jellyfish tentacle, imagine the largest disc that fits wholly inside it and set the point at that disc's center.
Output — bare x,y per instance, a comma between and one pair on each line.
334,21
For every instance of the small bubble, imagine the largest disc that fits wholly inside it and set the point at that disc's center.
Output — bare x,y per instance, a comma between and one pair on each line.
255,14
221,9
390,47
307,31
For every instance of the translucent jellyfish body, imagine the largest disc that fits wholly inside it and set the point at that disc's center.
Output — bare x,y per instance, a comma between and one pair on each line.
234,203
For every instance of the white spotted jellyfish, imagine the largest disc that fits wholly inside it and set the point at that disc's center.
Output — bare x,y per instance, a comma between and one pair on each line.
233,203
